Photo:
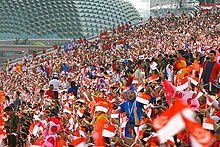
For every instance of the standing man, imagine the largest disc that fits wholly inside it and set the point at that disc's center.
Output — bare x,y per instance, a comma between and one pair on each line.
68,83
211,72
140,72
17,103
55,82
50,92
13,126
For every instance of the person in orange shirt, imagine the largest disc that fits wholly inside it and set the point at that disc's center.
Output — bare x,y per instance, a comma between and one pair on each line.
181,62
100,119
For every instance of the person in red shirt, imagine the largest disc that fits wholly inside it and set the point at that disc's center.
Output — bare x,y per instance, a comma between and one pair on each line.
127,26
107,46
55,46
85,40
43,51
119,28
129,78
80,41
122,27
50,92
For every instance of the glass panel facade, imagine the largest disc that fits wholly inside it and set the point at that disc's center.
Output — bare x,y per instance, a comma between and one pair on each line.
32,18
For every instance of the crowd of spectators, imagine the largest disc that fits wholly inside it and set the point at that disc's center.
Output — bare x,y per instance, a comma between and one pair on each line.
89,93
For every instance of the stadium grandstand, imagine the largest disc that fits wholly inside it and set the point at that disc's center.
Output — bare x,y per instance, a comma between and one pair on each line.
160,8
118,80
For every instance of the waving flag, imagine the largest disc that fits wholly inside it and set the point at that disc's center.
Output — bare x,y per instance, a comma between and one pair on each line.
101,106
80,112
135,80
182,81
182,84
169,90
208,123
199,137
123,119
194,80
148,110
143,98
140,130
153,65
50,141
170,122
115,113
55,125
152,78
210,100
139,87
195,66
108,131
78,142
206,6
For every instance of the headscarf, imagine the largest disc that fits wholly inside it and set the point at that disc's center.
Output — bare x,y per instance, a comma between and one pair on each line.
129,105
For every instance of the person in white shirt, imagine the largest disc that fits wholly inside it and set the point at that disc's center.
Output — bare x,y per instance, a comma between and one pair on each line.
55,82
169,70
24,68
140,72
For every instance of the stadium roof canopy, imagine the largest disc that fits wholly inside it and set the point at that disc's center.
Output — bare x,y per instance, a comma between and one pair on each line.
61,19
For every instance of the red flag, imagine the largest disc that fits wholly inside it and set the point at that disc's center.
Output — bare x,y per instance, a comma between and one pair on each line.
170,122
139,87
135,81
208,123
55,125
108,131
199,136
80,112
194,80
123,119
169,90
140,130
102,106
78,142
148,110
143,98
115,113
152,78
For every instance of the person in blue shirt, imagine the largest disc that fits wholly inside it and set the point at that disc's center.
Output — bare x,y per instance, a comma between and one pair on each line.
17,103
74,89
65,68
128,106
